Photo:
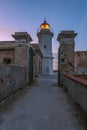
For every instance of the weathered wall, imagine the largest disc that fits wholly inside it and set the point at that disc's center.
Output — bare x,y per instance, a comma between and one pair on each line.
17,52
6,53
77,88
81,62
12,77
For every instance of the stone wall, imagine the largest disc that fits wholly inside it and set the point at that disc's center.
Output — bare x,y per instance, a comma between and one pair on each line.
77,88
81,62
21,57
17,52
12,77
6,53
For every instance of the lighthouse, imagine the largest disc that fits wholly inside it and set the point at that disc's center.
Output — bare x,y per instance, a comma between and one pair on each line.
45,35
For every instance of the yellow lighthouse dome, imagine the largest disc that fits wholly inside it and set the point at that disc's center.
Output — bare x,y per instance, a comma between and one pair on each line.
45,25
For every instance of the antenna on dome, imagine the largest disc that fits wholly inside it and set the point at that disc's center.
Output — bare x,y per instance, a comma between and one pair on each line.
44,19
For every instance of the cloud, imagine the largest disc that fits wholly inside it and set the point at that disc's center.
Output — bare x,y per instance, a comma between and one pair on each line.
5,33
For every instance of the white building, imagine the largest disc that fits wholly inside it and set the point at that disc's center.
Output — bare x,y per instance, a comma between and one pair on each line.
45,35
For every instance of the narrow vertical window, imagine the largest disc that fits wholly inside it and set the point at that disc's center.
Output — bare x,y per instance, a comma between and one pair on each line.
45,46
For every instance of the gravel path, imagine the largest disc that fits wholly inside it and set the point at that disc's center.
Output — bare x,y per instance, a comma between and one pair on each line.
42,107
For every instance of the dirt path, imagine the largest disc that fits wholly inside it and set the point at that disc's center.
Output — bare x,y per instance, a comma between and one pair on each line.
41,107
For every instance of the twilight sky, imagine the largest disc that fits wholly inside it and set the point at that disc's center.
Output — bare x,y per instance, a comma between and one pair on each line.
27,15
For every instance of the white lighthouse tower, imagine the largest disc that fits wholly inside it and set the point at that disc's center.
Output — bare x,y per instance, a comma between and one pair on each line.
45,35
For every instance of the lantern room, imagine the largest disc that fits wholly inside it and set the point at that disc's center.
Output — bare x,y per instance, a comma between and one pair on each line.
45,25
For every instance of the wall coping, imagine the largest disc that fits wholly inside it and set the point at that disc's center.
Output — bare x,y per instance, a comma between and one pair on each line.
77,79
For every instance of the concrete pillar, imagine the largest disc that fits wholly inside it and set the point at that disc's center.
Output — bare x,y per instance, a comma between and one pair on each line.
67,49
21,56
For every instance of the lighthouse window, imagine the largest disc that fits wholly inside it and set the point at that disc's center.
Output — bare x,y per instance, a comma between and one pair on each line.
45,46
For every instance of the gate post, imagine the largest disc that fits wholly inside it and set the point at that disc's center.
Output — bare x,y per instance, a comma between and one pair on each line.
30,65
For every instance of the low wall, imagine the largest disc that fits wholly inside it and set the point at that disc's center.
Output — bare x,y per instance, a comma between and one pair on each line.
77,88
12,77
